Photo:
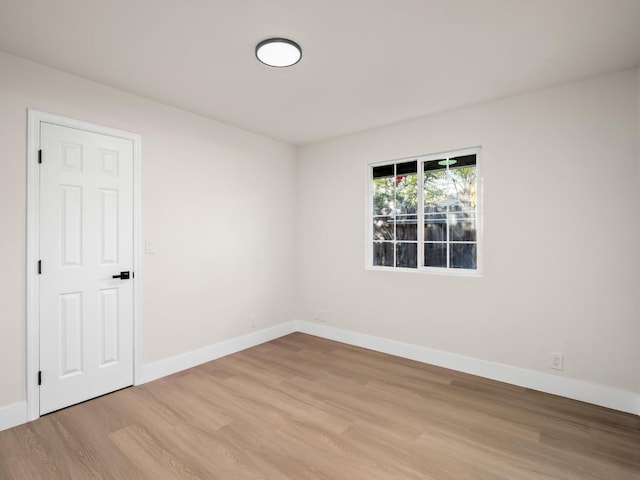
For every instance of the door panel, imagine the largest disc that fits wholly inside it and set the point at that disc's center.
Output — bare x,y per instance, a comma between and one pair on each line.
71,225
109,223
86,237
109,323
71,333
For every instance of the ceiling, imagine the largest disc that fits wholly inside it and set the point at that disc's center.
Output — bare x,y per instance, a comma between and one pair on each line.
365,63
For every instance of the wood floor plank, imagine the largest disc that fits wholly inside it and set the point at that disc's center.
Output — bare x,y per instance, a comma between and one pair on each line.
302,407
154,456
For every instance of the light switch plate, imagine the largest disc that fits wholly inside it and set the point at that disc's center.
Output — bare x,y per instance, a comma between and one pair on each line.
149,246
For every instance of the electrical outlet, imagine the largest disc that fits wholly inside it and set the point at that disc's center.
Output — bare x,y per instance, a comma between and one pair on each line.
252,321
320,316
556,361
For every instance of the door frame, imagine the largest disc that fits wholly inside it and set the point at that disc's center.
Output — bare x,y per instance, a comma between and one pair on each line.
35,118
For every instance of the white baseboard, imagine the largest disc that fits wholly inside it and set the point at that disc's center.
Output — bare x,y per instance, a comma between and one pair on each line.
170,365
13,415
16,414
565,387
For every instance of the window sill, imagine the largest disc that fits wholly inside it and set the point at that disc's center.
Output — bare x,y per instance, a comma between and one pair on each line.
429,271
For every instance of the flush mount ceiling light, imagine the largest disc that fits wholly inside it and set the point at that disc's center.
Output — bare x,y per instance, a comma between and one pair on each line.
278,52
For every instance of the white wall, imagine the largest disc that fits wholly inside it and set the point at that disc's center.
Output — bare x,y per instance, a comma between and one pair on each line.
561,191
217,200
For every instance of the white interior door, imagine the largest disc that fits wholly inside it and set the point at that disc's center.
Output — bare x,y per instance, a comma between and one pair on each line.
86,237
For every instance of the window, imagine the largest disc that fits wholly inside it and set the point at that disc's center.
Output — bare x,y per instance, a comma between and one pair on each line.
425,213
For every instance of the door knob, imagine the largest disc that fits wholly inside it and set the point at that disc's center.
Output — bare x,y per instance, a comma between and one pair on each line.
123,276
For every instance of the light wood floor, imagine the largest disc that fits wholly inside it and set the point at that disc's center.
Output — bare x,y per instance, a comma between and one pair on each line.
306,408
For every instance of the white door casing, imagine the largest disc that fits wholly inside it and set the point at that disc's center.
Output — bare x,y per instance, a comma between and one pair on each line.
85,233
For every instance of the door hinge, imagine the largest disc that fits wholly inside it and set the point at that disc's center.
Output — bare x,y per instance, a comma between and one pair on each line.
39,156
39,267
40,377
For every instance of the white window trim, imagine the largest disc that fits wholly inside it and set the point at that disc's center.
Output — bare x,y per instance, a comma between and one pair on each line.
452,272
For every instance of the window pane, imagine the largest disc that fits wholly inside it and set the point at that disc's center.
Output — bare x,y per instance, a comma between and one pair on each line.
435,228
383,228
463,255
407,255
463,161
407,228
383,193
464,193
462,227
383,254
436,186
435,255
407,193
407,168
438,164
383,171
